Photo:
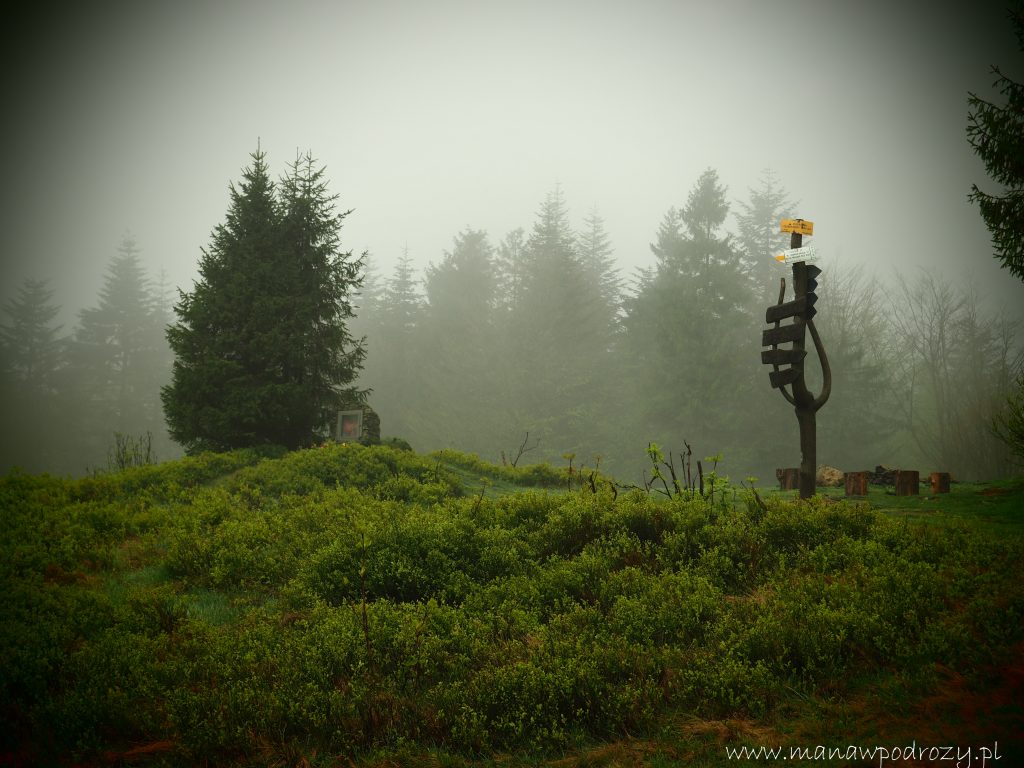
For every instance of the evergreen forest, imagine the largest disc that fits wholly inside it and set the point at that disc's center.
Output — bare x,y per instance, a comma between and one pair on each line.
534,343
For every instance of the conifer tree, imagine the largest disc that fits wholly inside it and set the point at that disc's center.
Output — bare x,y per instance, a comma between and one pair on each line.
690,329
113,358
759,236
996,133
598,257
458,339
31,356
367,300
394,354
561,340
263,352
31,348
509,265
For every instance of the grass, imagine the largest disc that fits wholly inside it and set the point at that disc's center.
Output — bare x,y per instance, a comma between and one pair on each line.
176,571
493,481
940,708
996,507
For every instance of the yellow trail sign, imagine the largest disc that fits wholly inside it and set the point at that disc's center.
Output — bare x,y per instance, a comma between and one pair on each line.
800,226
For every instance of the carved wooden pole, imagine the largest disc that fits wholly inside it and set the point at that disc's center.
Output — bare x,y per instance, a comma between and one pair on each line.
802,310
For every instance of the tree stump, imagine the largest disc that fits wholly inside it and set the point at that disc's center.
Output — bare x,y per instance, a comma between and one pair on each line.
940,482
908,482
856,483
789,478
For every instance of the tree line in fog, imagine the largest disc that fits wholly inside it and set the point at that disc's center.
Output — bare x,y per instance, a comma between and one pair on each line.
535,342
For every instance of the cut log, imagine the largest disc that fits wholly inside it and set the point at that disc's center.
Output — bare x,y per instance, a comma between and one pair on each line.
908,482
940,482
856,483
789,478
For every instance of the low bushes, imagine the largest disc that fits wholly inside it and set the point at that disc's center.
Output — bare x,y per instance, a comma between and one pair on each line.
350,598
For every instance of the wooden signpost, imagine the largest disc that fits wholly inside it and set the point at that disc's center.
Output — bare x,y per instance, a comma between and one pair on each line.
802,310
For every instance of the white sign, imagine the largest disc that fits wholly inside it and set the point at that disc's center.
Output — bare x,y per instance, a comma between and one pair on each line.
807,253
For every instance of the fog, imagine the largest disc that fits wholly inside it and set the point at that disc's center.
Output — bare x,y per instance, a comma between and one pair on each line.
433,117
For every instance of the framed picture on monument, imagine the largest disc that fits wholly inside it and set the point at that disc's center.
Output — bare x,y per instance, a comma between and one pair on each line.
350,426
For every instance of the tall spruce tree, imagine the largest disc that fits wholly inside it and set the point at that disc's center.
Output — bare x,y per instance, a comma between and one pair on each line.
759,238
509,266
996,133
561,341
113,372
28,340
31,355
262,350
459,351
394,354
598,257
689,330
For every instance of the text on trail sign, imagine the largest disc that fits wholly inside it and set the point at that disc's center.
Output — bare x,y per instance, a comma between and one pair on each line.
807,253
800,226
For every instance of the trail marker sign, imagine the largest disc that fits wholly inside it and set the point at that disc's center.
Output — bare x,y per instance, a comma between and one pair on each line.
797,226
791,255
788,309
775,336
783,356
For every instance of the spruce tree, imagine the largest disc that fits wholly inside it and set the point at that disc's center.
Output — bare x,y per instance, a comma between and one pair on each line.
262,350
759,236
509,265
690,331
31,356
367,301
598,257
561,341
29,342
996,133
459,344
113,359
394,355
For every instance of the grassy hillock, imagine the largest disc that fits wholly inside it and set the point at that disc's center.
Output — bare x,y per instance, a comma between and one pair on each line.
371,606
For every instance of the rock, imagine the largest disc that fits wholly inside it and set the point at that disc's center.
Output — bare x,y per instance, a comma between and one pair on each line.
830,477
882,476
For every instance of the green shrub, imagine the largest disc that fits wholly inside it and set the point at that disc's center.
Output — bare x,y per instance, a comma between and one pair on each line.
532,475
350,599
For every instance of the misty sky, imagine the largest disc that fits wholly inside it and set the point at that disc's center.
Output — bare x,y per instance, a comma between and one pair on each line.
434,116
